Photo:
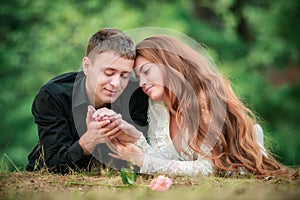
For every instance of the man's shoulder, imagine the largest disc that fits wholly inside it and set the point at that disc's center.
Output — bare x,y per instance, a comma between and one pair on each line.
61,83
63,78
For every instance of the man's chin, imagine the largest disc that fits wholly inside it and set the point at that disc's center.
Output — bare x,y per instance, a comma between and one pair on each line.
111,99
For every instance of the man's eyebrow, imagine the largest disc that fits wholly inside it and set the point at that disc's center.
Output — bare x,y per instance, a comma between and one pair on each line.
109,68
113,69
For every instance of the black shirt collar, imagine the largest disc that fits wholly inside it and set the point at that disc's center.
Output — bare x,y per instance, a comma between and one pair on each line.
79,92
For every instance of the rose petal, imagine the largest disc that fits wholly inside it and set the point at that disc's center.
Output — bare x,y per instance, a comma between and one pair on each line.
161,183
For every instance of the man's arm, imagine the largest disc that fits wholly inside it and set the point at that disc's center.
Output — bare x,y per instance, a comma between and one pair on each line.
58,138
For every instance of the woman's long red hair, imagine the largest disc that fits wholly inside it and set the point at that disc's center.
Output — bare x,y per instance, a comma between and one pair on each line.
192,84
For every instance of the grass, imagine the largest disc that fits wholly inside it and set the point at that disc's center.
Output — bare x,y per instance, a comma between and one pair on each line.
44,185
108,185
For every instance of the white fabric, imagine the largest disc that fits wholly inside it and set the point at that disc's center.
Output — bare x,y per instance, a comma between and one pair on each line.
260,138
161,155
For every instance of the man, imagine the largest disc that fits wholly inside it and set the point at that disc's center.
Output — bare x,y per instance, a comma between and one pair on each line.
69,135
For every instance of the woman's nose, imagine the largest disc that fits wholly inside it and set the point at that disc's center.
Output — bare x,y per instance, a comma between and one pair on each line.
142,81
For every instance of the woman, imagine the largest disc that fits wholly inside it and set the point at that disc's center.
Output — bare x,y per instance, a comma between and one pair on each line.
197,125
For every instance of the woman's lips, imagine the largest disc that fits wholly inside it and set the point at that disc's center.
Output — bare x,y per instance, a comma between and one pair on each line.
147,89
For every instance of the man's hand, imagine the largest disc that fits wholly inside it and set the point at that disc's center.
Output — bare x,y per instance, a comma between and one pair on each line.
100,129
124,131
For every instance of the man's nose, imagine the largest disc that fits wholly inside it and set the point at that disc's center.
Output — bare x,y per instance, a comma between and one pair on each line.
115,82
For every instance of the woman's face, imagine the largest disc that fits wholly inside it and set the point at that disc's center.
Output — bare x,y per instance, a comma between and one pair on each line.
150,77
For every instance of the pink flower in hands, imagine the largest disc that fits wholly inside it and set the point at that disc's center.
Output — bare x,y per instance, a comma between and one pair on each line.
161,183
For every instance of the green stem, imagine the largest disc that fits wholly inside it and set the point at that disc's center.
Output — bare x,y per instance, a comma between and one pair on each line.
102,184
8,158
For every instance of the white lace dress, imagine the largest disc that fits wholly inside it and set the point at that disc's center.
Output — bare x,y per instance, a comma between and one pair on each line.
161,156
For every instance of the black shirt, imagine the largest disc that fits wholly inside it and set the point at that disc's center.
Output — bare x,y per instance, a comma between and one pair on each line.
60,110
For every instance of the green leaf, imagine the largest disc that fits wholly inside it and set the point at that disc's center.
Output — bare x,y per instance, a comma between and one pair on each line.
128,176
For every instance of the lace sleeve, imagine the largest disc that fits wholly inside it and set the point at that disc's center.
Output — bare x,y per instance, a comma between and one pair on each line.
142,144
153,165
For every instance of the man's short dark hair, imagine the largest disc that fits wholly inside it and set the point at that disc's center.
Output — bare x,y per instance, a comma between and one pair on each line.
111,40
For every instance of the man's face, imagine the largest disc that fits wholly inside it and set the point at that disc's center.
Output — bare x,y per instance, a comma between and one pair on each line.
106,77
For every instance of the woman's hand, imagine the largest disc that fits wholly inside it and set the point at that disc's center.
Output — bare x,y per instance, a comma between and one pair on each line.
127,151
124,131
129,132
105,114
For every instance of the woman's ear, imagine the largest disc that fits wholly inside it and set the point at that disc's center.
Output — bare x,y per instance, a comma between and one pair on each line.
86,64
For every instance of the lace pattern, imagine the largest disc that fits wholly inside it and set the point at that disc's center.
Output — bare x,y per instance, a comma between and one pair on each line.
153,165
161,155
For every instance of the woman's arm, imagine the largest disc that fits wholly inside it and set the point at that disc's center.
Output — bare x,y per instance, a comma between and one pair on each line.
150,163
155,165
132,135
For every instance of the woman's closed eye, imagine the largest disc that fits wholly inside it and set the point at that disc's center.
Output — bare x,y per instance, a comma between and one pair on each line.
146,70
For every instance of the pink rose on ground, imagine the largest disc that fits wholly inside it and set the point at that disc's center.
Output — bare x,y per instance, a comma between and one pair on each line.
161,183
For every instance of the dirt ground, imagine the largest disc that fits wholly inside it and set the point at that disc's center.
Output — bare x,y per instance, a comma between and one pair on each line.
37,185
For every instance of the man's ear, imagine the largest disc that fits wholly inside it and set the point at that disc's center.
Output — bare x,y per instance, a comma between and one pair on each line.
86,64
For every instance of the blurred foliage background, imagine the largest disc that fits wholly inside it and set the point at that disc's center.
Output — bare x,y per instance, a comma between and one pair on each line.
255,43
